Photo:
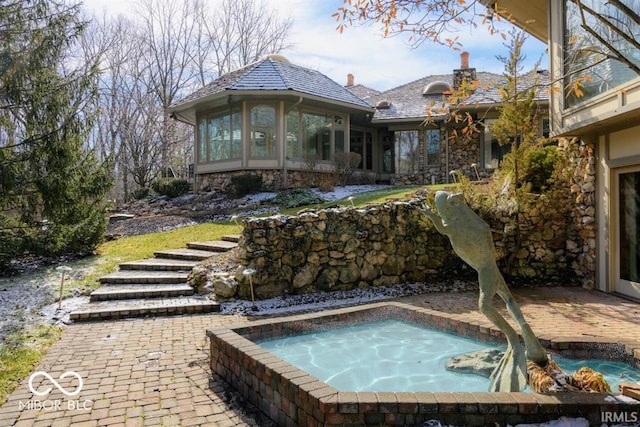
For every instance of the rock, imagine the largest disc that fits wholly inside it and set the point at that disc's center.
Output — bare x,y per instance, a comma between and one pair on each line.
120,217
225,287
481,362
198,279
305,276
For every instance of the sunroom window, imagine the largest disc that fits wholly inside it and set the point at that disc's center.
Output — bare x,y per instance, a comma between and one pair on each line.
588,72
220,136
314,134
262,132
293,134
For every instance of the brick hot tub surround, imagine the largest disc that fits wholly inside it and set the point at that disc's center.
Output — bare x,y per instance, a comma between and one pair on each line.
292,397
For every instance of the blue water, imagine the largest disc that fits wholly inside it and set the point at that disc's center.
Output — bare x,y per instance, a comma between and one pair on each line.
392,355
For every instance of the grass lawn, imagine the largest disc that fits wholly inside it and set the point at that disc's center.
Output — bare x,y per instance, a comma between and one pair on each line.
21,352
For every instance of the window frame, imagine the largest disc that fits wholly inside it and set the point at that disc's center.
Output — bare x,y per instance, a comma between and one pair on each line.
204,135
251,140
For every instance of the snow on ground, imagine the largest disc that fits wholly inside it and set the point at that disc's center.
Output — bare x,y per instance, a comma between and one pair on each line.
346,191
288,304
337,194
28,299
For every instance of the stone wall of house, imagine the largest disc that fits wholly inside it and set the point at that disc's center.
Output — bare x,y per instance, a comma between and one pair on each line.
344,248
581,243
273,179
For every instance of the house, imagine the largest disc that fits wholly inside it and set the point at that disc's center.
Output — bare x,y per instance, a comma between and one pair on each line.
281,121
605,119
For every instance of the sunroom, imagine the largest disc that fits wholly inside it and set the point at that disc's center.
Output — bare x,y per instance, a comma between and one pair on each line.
277,120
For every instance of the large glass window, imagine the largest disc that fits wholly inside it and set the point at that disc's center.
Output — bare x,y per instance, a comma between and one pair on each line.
220,136
316,135
585,57
407,143
433,147
369,151
263,131
338,133
361,142
357,144
293,134
492,151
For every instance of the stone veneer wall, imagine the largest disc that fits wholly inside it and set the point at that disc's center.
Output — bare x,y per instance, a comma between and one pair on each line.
343,248
582,240
273,179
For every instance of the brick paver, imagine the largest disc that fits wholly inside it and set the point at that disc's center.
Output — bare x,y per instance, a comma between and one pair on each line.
155,371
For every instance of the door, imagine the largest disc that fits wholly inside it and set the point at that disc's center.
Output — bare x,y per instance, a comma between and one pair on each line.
627,240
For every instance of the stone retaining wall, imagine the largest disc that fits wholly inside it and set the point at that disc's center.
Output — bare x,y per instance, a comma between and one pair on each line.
345,247
342,248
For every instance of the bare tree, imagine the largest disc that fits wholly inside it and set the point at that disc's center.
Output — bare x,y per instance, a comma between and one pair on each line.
167,33
242,31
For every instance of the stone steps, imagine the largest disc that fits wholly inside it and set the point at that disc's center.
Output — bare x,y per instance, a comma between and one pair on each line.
185,254
106,310
144,277
138,291
155,286
212,246
159,264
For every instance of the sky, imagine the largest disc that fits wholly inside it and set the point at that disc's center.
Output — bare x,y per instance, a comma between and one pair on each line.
377,62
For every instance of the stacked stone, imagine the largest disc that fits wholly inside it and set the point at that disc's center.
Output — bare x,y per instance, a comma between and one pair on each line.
582,243
344,248
340,249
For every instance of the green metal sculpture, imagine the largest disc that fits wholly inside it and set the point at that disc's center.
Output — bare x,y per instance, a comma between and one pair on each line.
472,240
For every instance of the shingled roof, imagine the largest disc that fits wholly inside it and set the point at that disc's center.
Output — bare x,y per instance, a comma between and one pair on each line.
409,103
275,75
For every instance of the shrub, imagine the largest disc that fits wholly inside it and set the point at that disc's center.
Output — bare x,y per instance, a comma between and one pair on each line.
346,165
171,187
140,193
246,184
327,181
542,162
296,197
310,162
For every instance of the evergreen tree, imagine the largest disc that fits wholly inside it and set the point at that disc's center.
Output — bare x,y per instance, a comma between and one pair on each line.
517,126
52,188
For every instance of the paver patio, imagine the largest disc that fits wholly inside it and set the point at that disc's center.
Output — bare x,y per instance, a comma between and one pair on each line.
155,371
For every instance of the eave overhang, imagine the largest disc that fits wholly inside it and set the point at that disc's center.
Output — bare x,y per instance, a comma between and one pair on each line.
530,15
187,111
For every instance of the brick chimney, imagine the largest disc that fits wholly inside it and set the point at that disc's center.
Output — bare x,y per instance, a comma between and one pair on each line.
350,79
464,72
464,60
